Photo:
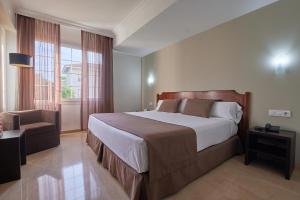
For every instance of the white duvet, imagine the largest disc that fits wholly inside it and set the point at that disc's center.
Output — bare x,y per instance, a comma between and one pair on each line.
133,149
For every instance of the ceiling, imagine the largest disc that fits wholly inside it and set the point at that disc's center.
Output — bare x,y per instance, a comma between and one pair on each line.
141,27
100,14
184,19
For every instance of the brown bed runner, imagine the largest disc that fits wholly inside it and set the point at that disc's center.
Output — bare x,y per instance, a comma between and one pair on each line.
170,146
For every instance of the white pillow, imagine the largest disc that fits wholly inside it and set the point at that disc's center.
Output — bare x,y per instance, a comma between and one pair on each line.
227,110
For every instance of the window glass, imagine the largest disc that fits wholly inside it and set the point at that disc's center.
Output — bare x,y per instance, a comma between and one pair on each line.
71,64
44,70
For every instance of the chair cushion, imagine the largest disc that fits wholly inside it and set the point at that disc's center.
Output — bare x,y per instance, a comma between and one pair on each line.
38,127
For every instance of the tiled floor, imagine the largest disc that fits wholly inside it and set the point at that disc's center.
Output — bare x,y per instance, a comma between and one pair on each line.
72,172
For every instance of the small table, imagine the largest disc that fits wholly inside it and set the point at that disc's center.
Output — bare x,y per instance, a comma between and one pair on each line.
277,147
12,155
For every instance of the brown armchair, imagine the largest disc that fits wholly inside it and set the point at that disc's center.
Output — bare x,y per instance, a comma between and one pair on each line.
42,128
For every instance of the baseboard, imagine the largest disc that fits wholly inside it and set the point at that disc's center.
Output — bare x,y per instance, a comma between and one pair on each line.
70,131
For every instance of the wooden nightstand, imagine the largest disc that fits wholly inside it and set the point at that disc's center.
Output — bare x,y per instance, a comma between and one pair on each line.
12,155
276,147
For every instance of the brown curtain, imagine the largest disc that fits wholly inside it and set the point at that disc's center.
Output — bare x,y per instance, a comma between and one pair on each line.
25,45
97,75
47,66
39,87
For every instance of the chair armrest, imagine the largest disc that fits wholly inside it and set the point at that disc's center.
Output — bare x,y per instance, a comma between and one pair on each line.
51,117
10,121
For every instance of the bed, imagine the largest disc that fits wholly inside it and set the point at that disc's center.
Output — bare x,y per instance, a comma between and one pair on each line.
126,155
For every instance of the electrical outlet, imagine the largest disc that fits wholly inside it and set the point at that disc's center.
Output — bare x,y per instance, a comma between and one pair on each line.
280,113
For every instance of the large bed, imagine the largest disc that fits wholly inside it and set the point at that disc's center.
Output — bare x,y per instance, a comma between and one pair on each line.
126,155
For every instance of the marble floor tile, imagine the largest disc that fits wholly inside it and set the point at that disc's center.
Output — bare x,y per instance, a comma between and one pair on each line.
71,172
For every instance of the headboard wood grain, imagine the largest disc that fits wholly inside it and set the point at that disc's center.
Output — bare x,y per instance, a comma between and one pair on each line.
219,95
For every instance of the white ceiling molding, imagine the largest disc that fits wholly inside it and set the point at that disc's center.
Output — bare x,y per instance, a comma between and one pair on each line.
183,19
138,17
125,53
45,17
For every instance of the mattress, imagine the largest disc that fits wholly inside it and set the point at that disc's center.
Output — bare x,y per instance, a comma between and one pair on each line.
133,149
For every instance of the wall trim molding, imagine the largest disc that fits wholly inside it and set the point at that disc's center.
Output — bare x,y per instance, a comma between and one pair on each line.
125,53
50,18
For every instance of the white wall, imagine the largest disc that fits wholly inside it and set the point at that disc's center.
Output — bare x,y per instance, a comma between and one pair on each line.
11,73
2,68
70,115
8,73
127,82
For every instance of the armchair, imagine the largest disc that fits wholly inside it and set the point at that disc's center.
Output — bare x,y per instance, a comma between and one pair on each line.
42,128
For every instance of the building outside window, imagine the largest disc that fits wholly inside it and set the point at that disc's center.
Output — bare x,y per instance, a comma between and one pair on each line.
71,63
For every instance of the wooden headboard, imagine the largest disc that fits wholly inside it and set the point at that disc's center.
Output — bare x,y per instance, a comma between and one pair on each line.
220,95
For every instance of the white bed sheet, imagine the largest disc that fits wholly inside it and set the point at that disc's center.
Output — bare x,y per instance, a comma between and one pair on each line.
133,149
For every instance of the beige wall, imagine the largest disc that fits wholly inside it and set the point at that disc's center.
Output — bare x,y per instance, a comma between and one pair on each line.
127,82
236,55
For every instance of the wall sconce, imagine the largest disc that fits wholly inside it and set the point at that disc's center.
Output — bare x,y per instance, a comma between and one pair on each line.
150,79
280,62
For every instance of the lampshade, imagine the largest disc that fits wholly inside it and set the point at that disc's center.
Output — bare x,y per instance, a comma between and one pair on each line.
20,60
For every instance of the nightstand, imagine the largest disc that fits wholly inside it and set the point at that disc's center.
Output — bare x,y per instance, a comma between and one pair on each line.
12,155
276,147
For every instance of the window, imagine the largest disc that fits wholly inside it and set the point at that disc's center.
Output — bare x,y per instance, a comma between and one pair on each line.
71,63
44,71
94,60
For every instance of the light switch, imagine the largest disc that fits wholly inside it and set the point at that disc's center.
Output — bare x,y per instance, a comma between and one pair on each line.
280,113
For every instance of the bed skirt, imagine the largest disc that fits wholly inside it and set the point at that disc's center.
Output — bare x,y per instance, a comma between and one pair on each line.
137,186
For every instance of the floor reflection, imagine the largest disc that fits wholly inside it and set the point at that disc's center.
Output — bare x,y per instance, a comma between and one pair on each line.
48,187
73,184
73,178
68,172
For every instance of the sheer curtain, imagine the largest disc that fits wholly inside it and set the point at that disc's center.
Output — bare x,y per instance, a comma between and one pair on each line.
25,45
39,87
97,75
47,66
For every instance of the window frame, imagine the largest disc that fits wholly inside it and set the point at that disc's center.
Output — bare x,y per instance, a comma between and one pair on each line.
71,46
